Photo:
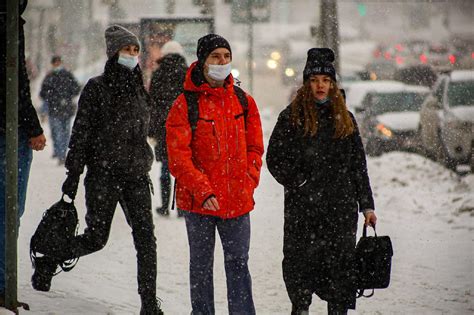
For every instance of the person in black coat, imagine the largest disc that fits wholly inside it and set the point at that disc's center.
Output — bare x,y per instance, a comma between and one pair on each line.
166,84
58,88
30,133
315,152
109,136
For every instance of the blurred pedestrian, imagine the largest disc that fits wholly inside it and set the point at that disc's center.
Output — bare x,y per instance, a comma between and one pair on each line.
166,84
57,91
30,134
316,153
109,136
216,161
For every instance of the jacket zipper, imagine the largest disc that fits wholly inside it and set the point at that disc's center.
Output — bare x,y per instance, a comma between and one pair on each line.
227,161
214,131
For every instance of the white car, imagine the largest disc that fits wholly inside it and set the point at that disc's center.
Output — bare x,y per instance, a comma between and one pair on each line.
447,120
357,91
388,121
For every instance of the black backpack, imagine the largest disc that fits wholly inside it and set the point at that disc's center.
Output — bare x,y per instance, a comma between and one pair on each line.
57,227
193,107
373,262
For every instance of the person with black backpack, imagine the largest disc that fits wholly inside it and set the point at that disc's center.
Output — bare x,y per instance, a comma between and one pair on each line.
215,146
109,137
166,85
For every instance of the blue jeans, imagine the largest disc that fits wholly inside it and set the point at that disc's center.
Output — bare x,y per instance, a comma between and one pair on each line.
25,155
235,239
60,132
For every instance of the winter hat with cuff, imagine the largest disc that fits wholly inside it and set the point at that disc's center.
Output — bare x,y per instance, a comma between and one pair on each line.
319,61
117,37
172,47
208,43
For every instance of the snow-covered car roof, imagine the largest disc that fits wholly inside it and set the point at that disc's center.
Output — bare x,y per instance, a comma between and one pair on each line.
358,90
462,75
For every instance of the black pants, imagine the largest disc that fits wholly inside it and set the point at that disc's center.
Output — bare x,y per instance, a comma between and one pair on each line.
103,192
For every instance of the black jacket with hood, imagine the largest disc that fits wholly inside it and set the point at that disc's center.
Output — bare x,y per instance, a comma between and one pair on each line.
112,124
166,84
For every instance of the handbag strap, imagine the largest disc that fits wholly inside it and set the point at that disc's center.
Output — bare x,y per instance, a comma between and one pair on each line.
364,231
360,293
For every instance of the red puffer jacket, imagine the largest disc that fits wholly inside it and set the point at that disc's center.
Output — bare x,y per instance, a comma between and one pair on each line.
222,158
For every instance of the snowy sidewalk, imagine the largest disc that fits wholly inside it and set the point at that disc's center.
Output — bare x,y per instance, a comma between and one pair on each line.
426,210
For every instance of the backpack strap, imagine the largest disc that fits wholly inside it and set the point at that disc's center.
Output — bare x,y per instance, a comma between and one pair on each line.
244,102
193,108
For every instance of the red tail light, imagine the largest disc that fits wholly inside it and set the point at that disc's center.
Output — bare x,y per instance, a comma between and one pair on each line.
452,59
423,58
387,55
399,60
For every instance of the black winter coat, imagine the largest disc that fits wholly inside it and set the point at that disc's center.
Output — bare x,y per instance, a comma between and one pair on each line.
112,124
58,89
27,117
166,84
325,182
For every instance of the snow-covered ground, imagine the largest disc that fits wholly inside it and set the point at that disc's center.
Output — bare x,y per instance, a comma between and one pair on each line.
426,210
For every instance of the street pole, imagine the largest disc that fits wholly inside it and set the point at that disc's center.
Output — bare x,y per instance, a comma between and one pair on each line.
329,28
250,51
11,191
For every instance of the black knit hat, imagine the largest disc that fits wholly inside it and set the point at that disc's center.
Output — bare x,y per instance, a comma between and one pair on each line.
117,37
208,43
319,61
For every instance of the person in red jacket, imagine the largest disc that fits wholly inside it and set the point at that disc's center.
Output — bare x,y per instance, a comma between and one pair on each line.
217,168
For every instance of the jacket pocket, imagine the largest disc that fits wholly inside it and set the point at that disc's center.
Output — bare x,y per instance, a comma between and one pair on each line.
206,144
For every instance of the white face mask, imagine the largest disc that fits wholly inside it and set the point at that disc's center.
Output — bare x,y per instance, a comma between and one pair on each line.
128,61
219,72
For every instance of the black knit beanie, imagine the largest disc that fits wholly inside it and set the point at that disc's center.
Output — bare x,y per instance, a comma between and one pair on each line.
117,37
319,61
208,43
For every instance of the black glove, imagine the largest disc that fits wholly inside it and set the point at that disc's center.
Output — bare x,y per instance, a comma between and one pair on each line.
70,185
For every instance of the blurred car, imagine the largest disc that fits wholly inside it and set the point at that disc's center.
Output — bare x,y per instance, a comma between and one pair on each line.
381,70
357,91
417,75
447,120
388,121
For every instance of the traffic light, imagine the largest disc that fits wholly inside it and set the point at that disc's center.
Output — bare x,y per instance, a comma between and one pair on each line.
362,9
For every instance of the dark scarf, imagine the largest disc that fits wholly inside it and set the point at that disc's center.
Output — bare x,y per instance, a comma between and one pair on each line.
121,79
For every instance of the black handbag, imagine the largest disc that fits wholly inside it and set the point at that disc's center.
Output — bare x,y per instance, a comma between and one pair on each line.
57,227
373,262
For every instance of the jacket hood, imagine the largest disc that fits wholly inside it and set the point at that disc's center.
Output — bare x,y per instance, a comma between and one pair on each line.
195,81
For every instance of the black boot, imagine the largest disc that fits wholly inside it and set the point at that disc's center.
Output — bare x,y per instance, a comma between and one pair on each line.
45,268
163,211
299,310
151,306
335,309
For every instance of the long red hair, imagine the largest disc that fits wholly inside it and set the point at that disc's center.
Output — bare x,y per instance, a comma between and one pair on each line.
304,112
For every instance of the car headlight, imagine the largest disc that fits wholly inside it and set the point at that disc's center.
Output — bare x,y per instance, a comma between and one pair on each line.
272,64
275,55
382,129
289,72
